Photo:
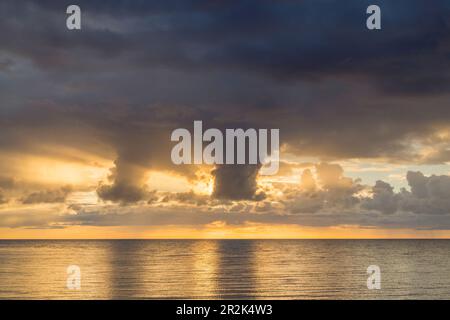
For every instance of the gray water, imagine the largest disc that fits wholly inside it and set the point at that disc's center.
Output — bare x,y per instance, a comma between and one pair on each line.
225,269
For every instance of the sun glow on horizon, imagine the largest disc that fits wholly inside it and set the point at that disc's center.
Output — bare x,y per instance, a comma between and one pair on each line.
219,230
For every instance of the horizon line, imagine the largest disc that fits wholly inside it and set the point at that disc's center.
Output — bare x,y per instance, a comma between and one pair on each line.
105,239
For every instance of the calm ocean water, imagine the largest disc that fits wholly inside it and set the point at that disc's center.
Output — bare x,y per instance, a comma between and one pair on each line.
225,269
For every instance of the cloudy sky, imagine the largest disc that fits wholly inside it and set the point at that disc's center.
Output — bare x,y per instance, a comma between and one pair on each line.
86,118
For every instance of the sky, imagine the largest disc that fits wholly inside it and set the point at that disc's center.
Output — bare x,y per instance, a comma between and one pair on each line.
86,117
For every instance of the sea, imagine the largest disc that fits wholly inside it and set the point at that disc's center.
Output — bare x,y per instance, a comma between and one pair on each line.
224,269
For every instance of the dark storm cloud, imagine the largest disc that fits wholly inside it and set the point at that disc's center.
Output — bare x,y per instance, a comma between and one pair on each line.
426,206
384,199
126,183
285,40
428,195
120,192
139,69
47,196
236,182
185,198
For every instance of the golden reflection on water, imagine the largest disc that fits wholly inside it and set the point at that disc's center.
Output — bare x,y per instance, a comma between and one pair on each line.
224,269
161,269
205,268
38,269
